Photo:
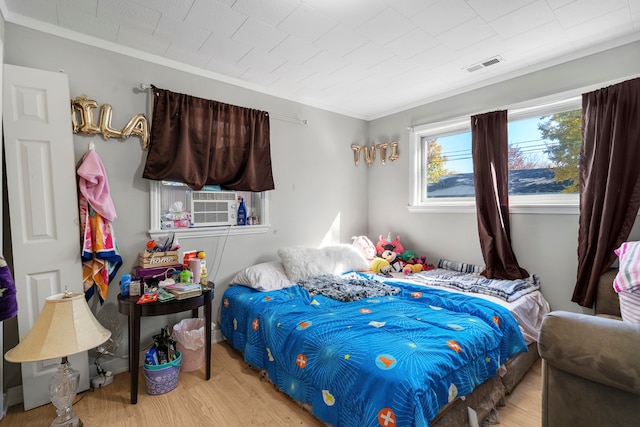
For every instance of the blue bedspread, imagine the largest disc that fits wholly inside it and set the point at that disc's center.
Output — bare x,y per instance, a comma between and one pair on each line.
389,360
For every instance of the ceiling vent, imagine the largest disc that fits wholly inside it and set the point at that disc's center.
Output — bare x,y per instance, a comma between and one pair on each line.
484,64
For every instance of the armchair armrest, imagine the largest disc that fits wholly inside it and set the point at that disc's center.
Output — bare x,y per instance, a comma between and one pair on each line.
603,350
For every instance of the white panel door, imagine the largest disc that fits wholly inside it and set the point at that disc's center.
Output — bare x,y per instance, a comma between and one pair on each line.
43,207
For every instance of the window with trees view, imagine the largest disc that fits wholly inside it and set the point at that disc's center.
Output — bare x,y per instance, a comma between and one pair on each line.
544,153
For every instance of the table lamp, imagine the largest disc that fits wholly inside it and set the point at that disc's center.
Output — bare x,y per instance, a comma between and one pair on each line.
65,326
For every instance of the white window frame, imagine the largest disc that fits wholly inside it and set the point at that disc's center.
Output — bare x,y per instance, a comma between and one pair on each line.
195,232
536,204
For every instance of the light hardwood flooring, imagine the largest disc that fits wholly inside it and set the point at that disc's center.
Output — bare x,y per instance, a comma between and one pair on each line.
234,396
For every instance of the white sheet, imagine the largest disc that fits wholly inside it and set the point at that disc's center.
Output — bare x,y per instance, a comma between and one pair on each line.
528,310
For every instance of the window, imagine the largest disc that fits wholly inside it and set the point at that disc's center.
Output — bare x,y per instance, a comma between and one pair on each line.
173,205
544,150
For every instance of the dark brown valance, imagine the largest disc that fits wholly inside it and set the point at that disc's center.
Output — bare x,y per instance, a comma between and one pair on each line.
198,141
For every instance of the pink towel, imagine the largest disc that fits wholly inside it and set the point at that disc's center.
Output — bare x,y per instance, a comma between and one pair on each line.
94,186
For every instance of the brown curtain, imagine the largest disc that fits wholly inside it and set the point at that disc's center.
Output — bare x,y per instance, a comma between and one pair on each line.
197,141
489,143
609,185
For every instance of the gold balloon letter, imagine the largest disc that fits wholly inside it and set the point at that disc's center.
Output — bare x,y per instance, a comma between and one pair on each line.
356,152
383,151
394,151
105,123
137,126
369,154
85,107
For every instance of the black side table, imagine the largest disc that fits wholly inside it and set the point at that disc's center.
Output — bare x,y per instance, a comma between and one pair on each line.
127,305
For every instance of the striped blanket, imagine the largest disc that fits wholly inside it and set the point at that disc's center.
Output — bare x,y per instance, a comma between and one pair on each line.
508,290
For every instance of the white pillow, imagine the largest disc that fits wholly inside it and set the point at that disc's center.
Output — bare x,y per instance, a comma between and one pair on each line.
302,263
346,258
268,276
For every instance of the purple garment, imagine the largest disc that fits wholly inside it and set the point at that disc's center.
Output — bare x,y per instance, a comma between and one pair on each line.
8,302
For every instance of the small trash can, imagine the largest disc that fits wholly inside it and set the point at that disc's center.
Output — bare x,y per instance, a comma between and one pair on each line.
189,336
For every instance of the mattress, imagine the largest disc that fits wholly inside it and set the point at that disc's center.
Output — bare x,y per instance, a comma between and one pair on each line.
397,358
528,310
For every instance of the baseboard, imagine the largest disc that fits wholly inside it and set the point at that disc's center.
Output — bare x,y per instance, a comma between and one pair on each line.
5,405
14,396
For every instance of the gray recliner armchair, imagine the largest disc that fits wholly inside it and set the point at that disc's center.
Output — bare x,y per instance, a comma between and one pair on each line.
590,366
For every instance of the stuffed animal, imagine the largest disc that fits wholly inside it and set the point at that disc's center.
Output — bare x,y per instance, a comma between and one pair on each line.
410,257
412,268
389,244
392,258
366,246
381,266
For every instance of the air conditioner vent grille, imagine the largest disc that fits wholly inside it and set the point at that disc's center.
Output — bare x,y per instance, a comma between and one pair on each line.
213,195
212,208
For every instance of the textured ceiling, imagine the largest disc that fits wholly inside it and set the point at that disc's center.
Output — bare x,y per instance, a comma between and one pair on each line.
364,58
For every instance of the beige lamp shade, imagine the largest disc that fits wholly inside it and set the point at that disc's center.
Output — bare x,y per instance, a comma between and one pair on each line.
65,326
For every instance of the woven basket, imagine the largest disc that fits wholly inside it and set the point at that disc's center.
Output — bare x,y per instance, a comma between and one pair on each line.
163,378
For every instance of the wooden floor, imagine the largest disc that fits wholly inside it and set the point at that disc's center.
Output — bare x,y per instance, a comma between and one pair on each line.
235,396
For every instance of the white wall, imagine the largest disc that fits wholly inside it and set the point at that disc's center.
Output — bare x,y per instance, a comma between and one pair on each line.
318,191
544,244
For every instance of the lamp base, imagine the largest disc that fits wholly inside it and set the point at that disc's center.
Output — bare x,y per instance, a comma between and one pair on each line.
73,422
62,390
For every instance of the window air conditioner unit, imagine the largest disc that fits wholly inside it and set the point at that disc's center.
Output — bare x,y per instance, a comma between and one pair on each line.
212,208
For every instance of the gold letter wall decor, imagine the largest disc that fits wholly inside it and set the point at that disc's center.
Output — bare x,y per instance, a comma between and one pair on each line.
394,151
138,124
383,151
356,152
369,155
370,152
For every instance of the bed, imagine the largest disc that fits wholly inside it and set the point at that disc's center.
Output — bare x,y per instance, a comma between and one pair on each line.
381,350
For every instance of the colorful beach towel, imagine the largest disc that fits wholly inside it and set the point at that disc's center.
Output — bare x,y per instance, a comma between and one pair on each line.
100,255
